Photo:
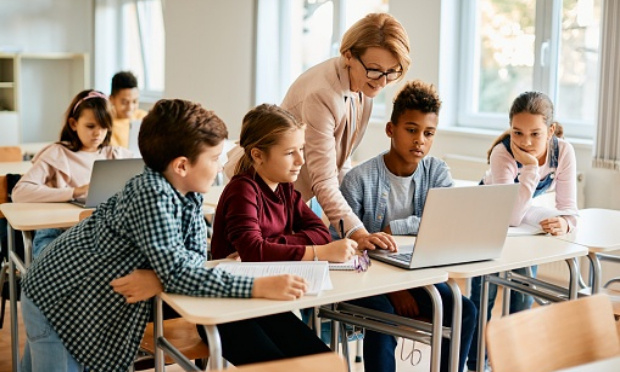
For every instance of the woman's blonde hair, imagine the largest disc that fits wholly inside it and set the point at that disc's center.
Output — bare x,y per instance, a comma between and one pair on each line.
535,103
378,30
262,128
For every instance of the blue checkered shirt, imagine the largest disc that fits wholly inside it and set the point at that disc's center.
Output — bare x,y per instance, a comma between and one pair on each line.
147,225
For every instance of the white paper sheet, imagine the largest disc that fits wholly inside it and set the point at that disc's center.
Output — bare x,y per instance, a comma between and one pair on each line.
316,273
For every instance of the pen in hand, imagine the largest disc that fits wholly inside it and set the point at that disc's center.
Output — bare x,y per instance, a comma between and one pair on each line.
342,234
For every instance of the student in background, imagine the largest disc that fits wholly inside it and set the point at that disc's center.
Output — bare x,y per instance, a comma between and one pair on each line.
261,217
531,155
124,97
61,171
388,194
76,312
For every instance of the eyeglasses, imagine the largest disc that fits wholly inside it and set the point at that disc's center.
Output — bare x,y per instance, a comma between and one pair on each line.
362,262
374,74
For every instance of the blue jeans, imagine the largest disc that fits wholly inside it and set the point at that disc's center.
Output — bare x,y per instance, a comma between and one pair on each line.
42,238
518,302
44,351
379,348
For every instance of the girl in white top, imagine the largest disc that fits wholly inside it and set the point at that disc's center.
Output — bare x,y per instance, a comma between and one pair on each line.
531,154
61,171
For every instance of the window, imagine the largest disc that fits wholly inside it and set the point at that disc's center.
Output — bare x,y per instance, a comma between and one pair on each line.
513,46
130,36
295,35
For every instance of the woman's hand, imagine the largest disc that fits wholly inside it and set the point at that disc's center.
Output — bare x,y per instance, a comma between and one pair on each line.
140,285
337,251
404,303
522,156
280,287
380,240
80,191
555,225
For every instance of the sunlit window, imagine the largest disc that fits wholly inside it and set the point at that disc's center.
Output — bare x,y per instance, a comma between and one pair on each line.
511,46
130,36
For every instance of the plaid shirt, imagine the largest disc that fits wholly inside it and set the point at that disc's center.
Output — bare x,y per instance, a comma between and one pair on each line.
147,225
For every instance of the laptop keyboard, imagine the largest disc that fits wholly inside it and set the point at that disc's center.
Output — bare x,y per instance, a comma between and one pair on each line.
404,257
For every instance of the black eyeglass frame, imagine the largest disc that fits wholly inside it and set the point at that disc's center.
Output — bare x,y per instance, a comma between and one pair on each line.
381,73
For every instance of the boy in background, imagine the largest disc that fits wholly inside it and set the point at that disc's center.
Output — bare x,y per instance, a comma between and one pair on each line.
388,194
124,97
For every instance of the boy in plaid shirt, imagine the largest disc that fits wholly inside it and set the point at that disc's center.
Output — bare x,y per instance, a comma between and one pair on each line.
153,228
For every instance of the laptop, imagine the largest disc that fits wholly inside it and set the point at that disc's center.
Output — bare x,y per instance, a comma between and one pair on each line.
107,178
458,225
132,143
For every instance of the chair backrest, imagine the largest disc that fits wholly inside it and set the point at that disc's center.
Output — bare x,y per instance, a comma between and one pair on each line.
10,153
553,337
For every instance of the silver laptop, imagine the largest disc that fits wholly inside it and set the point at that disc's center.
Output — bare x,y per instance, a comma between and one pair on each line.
458,225
134,130
107,178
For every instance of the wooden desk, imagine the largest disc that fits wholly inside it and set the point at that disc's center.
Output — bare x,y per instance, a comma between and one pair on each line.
599,231
331,362
348,285
16,167
30,217
605,365
212,197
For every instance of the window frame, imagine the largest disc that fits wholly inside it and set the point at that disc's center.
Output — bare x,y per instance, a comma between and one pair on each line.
544,77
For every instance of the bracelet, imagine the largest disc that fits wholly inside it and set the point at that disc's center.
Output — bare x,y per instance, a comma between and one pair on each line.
316,258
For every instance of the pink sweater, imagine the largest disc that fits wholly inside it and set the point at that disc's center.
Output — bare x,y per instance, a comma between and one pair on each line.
504,170
317,98
56,171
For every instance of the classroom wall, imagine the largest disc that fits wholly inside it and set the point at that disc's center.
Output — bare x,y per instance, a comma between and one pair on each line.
39,27
209,56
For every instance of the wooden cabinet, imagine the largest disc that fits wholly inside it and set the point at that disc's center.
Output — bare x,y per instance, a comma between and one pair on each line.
35,91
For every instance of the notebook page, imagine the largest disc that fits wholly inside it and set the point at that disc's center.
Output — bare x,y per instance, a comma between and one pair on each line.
316,273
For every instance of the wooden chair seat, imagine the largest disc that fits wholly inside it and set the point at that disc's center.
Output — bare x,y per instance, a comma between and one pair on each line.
614,297
182,334
554,337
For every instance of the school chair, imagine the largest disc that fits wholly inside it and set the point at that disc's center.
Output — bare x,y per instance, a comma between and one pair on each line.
181,334
331,362
553,337
10,153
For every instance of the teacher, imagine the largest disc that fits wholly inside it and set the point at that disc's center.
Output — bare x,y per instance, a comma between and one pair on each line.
334,99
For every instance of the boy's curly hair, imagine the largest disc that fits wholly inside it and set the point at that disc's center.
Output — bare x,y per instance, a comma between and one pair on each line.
416,95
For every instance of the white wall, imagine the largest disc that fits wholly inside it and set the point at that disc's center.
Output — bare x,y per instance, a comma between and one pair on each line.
47,87
209,56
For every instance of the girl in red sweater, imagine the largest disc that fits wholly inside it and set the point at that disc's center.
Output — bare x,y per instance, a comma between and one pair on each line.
260,215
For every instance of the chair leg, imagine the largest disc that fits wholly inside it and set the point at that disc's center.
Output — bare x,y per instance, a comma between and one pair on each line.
344,340
359,344
3,272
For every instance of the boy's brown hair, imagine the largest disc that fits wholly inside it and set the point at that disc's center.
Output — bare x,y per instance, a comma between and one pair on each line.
176,128
415,95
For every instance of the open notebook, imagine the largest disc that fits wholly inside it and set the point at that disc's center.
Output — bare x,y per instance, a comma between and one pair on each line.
316,273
